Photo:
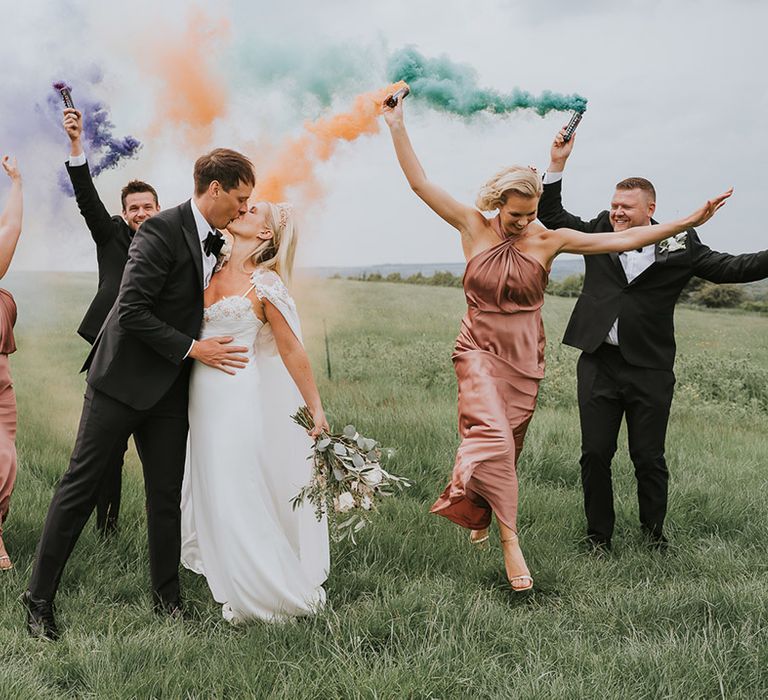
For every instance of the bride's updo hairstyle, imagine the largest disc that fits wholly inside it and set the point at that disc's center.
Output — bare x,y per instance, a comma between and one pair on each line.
278,252
517,179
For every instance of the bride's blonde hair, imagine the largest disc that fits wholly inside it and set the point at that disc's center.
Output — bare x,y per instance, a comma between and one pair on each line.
520,179
278,252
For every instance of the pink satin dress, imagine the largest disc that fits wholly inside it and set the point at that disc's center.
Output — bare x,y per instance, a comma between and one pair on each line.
499,361
7,405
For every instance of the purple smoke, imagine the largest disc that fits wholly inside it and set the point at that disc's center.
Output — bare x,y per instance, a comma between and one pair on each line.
97,137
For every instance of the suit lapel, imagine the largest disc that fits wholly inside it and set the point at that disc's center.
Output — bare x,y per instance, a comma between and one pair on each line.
617,262
193,240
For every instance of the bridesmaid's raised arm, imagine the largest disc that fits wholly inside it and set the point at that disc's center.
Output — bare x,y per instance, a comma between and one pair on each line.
446,207
570,241
10,218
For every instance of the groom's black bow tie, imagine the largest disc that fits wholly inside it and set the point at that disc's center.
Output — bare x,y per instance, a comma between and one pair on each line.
212,243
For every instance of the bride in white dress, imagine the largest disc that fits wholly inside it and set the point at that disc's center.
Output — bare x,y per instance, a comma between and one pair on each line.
246,457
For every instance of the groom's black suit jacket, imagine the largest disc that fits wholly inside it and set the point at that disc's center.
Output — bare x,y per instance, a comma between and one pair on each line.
646,306
112,237
140,350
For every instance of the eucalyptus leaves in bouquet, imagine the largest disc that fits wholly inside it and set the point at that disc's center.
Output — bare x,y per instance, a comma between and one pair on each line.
347,478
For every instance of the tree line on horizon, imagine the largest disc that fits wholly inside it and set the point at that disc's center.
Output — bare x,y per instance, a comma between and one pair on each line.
698,292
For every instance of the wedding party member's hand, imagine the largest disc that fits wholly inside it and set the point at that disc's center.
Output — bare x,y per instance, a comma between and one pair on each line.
706,212
320,421
11,169
560,151
393,115
218,353
73,123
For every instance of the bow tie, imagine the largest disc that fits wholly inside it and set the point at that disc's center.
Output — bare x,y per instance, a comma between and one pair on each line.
212,243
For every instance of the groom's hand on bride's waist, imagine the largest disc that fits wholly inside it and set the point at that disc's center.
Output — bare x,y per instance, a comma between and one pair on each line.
218,353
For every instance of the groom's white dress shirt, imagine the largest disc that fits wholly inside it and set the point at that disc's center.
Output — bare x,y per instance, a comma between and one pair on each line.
203,229
634,262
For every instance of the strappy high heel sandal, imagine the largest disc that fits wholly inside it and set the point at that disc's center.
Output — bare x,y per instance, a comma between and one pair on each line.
5,563
478,537
526,580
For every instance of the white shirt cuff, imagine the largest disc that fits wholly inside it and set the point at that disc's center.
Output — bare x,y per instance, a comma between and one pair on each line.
549,177
74,161
189,351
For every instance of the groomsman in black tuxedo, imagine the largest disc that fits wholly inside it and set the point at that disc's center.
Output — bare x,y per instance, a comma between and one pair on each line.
112,236
138,372
623,322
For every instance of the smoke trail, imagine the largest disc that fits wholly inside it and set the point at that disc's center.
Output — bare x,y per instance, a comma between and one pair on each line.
193,95
320,73
104,150
295,162
452,87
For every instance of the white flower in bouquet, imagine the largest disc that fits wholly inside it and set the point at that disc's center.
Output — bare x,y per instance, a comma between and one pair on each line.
345,502
374,476
347,477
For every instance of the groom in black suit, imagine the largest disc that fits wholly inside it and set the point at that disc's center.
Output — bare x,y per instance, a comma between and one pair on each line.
623,323
112,236
138,373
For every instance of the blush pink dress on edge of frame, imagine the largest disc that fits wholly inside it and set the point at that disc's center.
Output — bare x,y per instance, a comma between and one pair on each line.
7,405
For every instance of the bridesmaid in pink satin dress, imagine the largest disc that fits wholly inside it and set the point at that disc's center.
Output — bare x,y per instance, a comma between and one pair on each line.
499,355
10,228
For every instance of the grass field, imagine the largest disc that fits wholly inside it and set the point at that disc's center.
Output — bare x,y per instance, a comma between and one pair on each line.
413,611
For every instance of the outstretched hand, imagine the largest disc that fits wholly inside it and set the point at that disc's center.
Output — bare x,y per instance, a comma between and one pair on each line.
561,148
393,115
708,210
11,169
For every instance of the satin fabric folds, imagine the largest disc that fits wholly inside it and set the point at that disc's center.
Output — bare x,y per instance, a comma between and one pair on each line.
499,361
7,405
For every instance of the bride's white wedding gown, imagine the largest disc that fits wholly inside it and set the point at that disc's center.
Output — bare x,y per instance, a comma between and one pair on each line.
246,459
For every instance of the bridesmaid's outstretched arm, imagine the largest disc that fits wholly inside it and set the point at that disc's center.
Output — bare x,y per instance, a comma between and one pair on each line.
446,207
10,219
570,241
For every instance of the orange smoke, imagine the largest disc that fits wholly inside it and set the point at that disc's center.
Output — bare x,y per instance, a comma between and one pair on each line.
295,162
192,97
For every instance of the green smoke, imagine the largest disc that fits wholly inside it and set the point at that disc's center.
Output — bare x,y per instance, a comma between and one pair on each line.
320,73
452,87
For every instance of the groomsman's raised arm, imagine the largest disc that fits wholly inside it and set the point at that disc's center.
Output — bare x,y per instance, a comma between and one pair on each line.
551,211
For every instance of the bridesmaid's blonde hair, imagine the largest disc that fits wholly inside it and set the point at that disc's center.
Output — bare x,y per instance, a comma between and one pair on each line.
278,252
522,180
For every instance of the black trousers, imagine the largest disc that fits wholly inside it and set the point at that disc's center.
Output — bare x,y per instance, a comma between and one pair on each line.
608,389
108,502
160,434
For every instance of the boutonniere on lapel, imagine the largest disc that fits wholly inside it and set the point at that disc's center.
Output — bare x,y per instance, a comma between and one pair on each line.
673,243
225,252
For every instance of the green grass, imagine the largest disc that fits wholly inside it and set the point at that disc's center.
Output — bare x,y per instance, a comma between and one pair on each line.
414,612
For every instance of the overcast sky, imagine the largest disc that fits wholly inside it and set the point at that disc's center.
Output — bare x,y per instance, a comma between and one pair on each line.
677,93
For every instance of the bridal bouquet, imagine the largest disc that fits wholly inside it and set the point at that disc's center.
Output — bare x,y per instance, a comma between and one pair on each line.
347,478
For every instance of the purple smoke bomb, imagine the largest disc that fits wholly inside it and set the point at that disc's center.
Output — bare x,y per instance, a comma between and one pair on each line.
66,94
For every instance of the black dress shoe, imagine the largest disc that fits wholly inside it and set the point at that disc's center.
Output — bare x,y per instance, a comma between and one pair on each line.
173,609
655,539
598,545
41,622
